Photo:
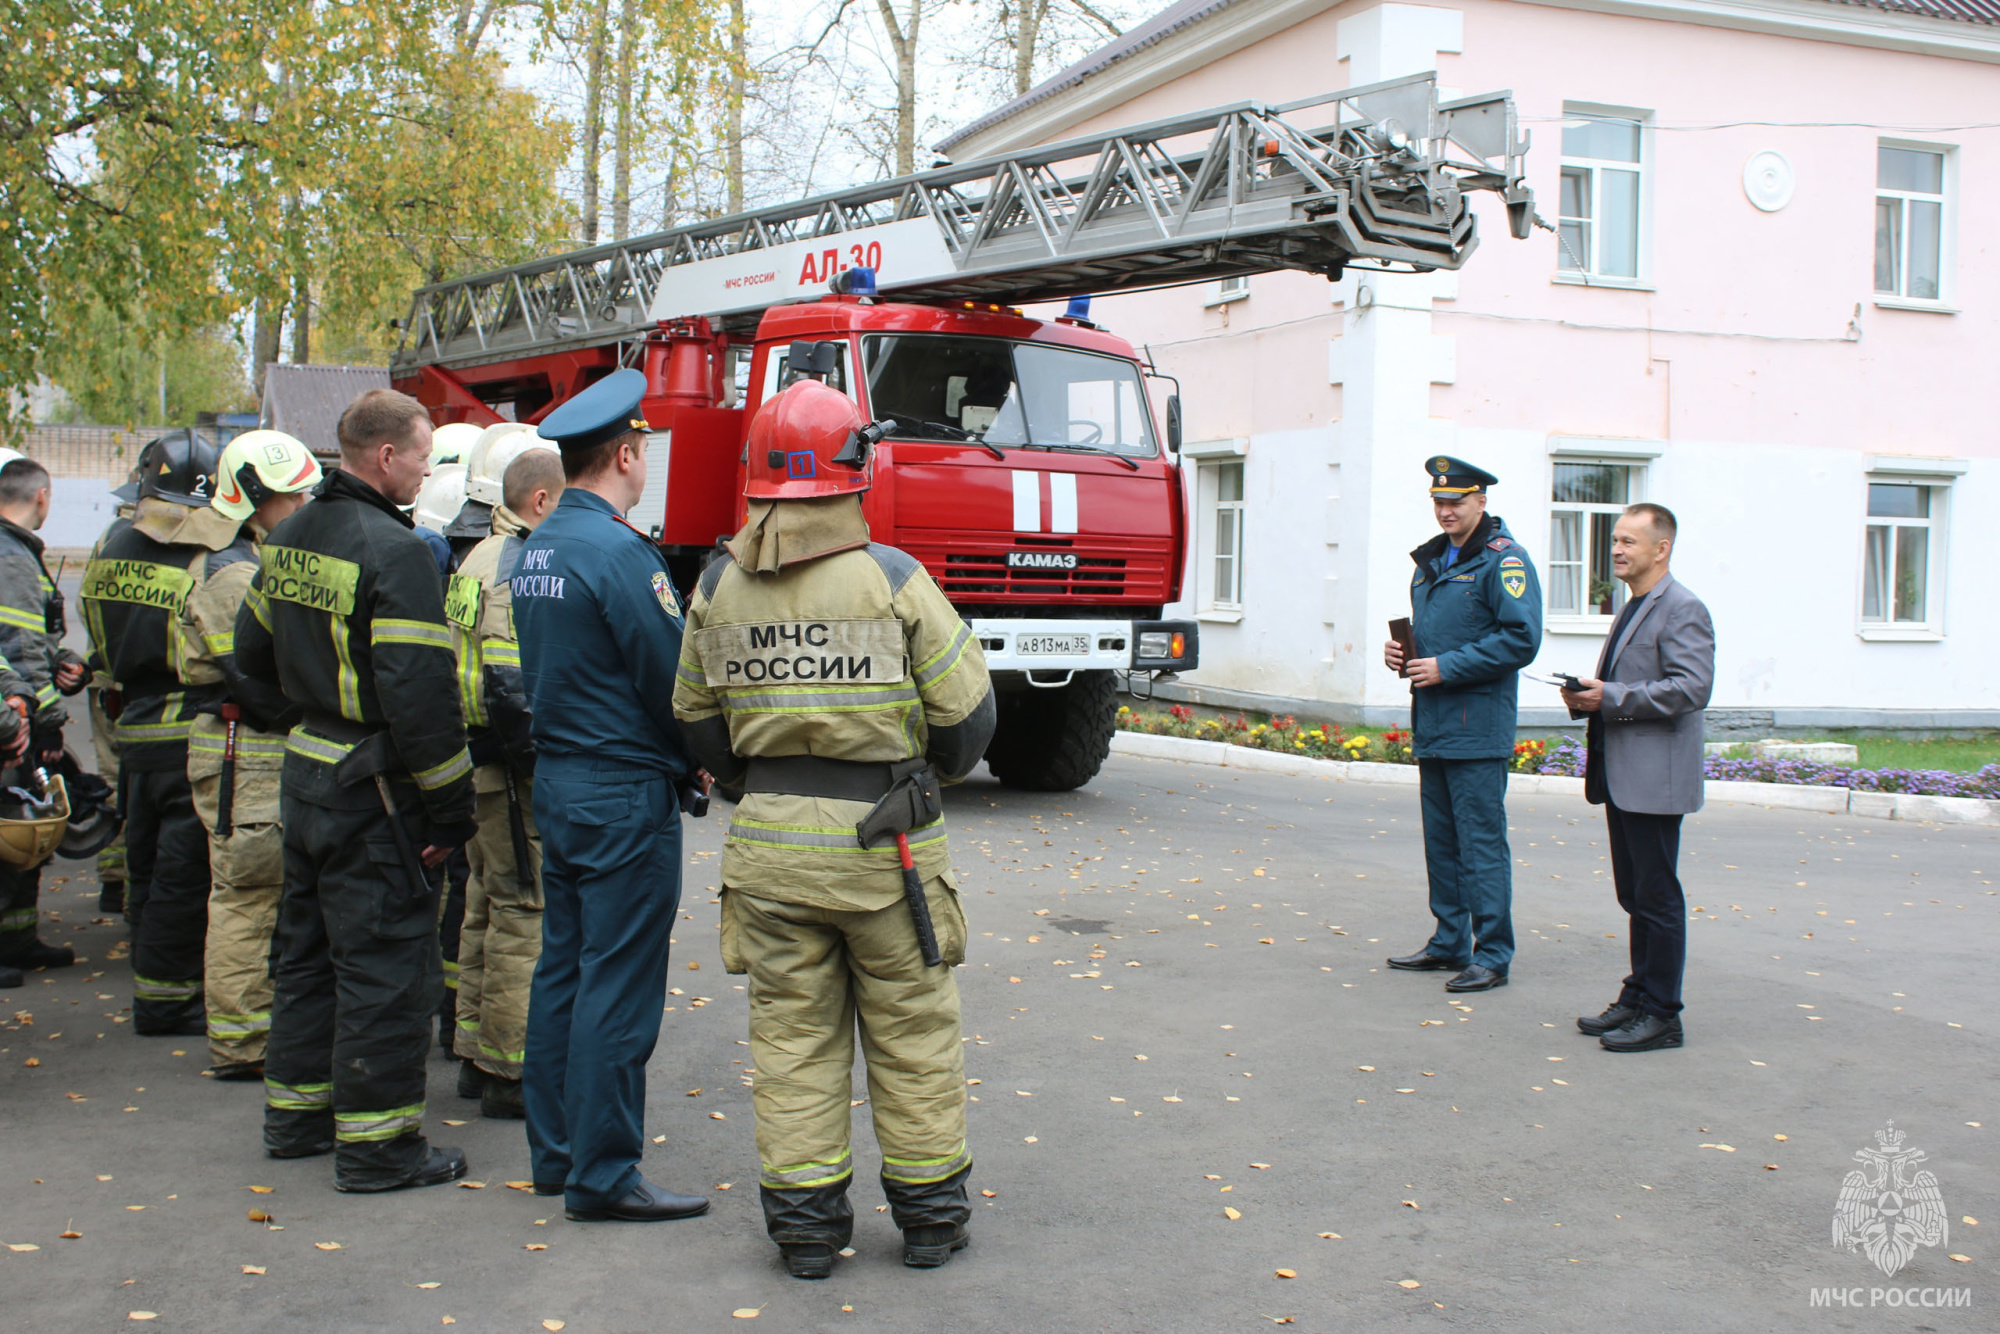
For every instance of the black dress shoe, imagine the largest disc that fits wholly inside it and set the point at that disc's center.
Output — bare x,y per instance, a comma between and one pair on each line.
1616,1015
471,1080
931,1245
647,1203
808,1259
11,978
1478,977
500,1100
1422,962
1646,1032
438,1167
548,1188
40,954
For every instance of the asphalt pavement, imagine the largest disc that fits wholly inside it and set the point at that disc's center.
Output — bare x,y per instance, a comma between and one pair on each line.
1192,1072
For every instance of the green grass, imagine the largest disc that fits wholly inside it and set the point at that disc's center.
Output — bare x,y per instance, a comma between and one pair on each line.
1958,754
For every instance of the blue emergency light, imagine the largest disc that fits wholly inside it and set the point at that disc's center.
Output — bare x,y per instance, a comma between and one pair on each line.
1079,309
857,281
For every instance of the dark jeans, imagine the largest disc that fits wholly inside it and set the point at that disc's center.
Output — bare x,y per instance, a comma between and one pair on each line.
1645,855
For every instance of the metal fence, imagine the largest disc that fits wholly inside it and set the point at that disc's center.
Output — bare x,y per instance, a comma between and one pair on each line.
106,452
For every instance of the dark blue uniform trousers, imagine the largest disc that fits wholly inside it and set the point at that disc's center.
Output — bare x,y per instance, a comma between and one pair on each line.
611,882
1465,851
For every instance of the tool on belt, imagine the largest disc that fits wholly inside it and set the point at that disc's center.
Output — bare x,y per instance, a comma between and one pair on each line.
517,830
225,797
905,794
374,757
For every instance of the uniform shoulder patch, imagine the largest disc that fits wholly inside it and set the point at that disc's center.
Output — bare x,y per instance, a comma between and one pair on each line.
663,589
1499,544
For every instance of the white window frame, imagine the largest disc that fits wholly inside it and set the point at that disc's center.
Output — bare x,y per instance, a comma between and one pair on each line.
1225,290
1945,301
1639,456
1642,279
1206,458
1936,477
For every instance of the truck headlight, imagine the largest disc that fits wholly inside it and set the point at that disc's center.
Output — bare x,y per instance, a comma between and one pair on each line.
1161,645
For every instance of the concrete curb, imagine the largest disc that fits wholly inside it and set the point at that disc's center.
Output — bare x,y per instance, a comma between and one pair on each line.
1784,796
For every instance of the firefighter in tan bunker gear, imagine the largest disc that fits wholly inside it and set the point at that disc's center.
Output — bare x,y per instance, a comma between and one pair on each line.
829,678
520,481
236,751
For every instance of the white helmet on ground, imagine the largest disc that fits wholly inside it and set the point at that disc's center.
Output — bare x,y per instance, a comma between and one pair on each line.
492,456
451,442
442,497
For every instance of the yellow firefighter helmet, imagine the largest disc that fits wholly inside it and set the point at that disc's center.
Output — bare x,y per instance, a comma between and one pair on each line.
29,832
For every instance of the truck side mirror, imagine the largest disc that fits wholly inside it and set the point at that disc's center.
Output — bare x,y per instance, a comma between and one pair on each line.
1174,422
816,359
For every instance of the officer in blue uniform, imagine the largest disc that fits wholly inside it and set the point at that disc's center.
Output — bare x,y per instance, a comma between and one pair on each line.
600,632
1476,611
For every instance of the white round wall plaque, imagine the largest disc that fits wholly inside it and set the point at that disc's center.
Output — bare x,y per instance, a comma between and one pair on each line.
1768,181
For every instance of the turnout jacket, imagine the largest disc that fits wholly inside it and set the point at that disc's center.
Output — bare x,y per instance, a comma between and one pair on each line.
207,634
134,587
1481,618
31,630
853,654
480,606
346,616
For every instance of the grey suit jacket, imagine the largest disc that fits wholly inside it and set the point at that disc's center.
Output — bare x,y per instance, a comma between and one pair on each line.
1645,742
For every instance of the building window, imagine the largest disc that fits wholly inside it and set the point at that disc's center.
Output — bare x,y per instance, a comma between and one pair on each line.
1224,483
1234,288
1586,499
1910,222
1903,535
1602,202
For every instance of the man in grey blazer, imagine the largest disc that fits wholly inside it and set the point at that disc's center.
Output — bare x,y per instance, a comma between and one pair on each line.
1645,709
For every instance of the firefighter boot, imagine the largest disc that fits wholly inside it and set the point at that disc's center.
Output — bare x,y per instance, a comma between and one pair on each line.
933,1216
811,1224
435,1168
501,1100
38,953
111,897
471,1080
10,978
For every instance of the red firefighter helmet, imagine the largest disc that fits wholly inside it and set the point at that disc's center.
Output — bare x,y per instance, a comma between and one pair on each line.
810,440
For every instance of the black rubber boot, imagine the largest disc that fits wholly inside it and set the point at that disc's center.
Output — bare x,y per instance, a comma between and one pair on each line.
38,953
811,1224
111,897
501,1100
932,1245
11,978
933,1216
471,1080
436,1168
238,1071
813,1259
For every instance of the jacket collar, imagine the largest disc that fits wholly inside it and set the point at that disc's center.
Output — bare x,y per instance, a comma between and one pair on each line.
343,485
1488,528
28,539
506,523
1653,597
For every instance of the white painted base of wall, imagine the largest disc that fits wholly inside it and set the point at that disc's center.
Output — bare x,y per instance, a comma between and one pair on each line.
1787,796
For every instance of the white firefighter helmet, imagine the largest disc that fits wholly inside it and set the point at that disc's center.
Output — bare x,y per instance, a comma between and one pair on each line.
494,454
441,498
30,831
258,465
451,442
7,456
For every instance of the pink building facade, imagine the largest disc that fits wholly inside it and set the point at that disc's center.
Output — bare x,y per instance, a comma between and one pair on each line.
1770,305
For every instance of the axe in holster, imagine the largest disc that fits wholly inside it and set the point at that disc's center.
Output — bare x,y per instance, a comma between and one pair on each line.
517,830
912,800
225,797
374,758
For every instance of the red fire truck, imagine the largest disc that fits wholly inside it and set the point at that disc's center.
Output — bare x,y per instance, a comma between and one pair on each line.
1027,470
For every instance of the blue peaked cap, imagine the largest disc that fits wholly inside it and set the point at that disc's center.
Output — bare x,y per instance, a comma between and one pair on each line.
605,411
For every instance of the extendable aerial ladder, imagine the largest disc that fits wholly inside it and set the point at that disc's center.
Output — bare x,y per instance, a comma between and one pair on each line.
1377,174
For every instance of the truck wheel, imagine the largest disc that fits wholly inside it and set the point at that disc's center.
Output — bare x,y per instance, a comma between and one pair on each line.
1055,740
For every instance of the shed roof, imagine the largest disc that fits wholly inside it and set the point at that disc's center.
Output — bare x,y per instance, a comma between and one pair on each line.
1152,31
306,401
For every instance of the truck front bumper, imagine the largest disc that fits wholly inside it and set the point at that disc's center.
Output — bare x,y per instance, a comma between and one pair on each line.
1040,646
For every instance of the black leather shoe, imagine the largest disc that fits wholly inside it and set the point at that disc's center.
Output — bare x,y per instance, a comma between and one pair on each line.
1647,1032
11,978
111,897
40,954
931,1245
548,1188
438,1167
808,1259
471,1080
1616,1015
1478,977
500,1100
1422,962
647,1203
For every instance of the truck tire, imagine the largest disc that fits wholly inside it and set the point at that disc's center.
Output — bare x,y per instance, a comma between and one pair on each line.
1055,740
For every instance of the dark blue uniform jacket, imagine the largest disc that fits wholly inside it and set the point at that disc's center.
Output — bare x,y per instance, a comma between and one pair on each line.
1482,620
600,631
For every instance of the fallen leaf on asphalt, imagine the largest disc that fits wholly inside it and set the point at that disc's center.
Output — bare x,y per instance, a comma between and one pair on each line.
1266,940
1260,1166
1408,1283
134,1208
1231,1214
32,1061
1288,1273
1413,1204
1138,1058
717,1116
327,1246
1781,1138
22,1246
1969,1220
659,1139
694,1093
990,1194
1963,1259
454,1123
253,1269
259,1216
254,1190
104,1178
142,1315
520,1185
552,1325
472,1185
750,1312
1278,1319
448,1320
1041,912
535,1246
426,1286
1330,1236
1770,1167
1726,1148
1369,1068
70,1234
693,967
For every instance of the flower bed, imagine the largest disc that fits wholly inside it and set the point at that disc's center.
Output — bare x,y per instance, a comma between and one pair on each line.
1329,741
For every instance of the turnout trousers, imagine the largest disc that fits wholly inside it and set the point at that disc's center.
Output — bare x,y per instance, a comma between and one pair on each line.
20,910
247,875
357,979
611,884
1645,857
1465,853
502,937
816,976
167,858
111,860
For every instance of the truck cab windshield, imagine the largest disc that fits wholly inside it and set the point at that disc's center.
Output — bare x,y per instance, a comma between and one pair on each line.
1000,392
